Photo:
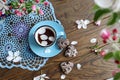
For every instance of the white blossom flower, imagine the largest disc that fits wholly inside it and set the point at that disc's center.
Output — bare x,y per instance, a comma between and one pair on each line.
41,77
15,57
3,7
82,24
112,4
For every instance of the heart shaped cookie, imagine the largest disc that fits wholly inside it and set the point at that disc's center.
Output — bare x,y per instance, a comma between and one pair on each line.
66,67
71,51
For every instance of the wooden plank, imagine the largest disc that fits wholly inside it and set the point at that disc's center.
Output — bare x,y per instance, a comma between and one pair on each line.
93,66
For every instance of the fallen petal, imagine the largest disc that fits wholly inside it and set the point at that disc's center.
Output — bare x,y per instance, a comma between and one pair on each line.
98,23
79,26
84,26
43,75
86,22
110,79
77,21
63,76
17,59
9,58
74,42
93,40
79,66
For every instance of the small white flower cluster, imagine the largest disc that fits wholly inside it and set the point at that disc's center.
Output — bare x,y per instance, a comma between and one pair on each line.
14,56
41,77
82,23
3,7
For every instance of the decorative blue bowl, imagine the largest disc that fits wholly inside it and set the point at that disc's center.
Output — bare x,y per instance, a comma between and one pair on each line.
48,51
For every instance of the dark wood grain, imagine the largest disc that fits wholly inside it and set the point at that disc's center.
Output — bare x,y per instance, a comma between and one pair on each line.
93,66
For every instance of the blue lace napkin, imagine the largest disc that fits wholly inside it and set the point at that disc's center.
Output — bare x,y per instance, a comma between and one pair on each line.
14,44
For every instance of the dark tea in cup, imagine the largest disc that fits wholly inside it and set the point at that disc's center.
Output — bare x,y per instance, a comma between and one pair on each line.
45,36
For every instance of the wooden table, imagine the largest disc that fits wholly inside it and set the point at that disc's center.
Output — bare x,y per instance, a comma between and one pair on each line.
93,66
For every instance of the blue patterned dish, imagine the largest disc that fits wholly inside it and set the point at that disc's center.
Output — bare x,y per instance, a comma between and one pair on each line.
46,51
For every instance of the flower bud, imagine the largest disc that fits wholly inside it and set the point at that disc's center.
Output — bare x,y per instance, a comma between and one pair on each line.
114,37
37,1
102,53
105,34
40,12
46,3
115,31
115,71
0,13
21,1
34,7
104,41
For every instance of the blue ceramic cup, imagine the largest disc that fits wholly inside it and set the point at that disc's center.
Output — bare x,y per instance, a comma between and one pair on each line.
45,49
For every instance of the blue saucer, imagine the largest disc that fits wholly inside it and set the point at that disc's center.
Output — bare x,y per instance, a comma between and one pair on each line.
52,50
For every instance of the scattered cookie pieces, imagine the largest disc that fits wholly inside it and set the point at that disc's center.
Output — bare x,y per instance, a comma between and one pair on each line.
71,51
66,67
63,43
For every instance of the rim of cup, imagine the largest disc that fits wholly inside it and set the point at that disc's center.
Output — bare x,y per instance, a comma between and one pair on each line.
50,28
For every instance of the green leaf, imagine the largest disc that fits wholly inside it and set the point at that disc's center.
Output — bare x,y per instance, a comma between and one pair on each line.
29,6
118,66
100,13
41,1
14,4
96,7
117,55
29,10
117,76
113,19
108,56
119,40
